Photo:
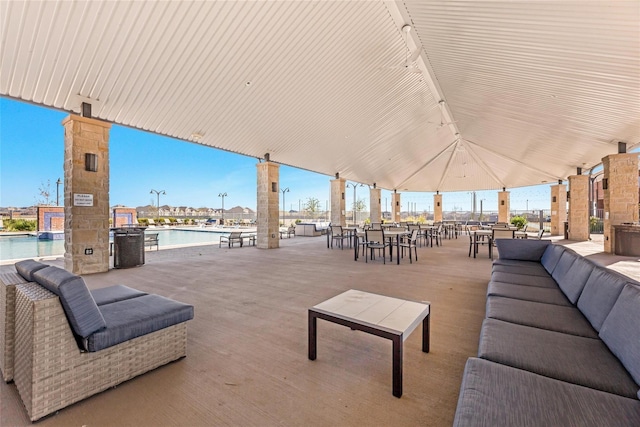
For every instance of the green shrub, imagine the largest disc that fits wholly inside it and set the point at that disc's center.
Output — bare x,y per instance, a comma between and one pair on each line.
20,225
519,221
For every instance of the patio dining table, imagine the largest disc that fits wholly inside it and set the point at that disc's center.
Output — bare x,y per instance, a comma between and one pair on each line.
351,232
359,234
397,234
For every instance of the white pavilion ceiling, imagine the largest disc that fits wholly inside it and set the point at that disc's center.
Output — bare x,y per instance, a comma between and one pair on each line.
527,91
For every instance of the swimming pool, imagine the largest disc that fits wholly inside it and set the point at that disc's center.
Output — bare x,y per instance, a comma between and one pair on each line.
25,246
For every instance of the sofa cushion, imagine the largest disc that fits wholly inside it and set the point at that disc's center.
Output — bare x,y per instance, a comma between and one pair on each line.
27,267
524,279
496,395
135,317
522,249
115,293
621,330
567,259
578,360
528,293
599,294
573,282
552,317
551,257
520,267
79,306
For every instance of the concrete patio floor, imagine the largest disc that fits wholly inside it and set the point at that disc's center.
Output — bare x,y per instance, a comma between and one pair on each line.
247,359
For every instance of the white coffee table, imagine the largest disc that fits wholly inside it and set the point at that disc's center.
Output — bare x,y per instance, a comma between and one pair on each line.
386,317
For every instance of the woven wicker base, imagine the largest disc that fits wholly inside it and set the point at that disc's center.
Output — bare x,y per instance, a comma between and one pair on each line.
51,372
8,282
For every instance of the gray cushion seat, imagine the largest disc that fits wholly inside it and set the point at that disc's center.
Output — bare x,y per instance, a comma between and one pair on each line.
528,293
578,360
114,293
499,395
524,279
135,317
520,267
565,319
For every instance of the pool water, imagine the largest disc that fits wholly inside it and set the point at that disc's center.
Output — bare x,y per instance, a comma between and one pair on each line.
23,246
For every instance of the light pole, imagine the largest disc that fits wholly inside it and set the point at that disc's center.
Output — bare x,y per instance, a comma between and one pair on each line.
58,182
223,195
284,190
354,185
158,193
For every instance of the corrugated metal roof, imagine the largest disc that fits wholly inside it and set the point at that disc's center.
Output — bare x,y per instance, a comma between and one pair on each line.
532,90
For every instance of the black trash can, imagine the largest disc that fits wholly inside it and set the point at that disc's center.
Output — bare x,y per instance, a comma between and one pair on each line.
128,247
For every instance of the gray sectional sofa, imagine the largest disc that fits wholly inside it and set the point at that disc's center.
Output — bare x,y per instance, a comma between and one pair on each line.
69,343
560,344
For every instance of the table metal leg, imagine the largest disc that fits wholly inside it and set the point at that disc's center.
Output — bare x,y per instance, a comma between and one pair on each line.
312,336
397,366
426,332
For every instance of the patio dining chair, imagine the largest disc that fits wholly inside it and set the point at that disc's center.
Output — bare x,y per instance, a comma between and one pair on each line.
410,242
375,240
338,234
437,234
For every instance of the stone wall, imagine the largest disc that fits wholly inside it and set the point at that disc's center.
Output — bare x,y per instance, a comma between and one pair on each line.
437,207
395,207
620,194
579,208
558,209
375,205
338,202
268,198
86,196
504,206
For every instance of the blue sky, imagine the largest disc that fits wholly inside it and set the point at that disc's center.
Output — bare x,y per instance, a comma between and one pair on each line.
32,151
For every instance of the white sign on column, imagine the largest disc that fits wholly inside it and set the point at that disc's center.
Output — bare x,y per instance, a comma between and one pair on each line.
82,199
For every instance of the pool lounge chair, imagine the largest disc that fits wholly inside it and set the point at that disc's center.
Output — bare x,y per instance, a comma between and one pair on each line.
233,237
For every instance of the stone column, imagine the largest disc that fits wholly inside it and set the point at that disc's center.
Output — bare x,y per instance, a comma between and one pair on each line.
395,207
268,215
558,209
579,208
86,195
375,205
504,206
620,195
338,202
437,207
